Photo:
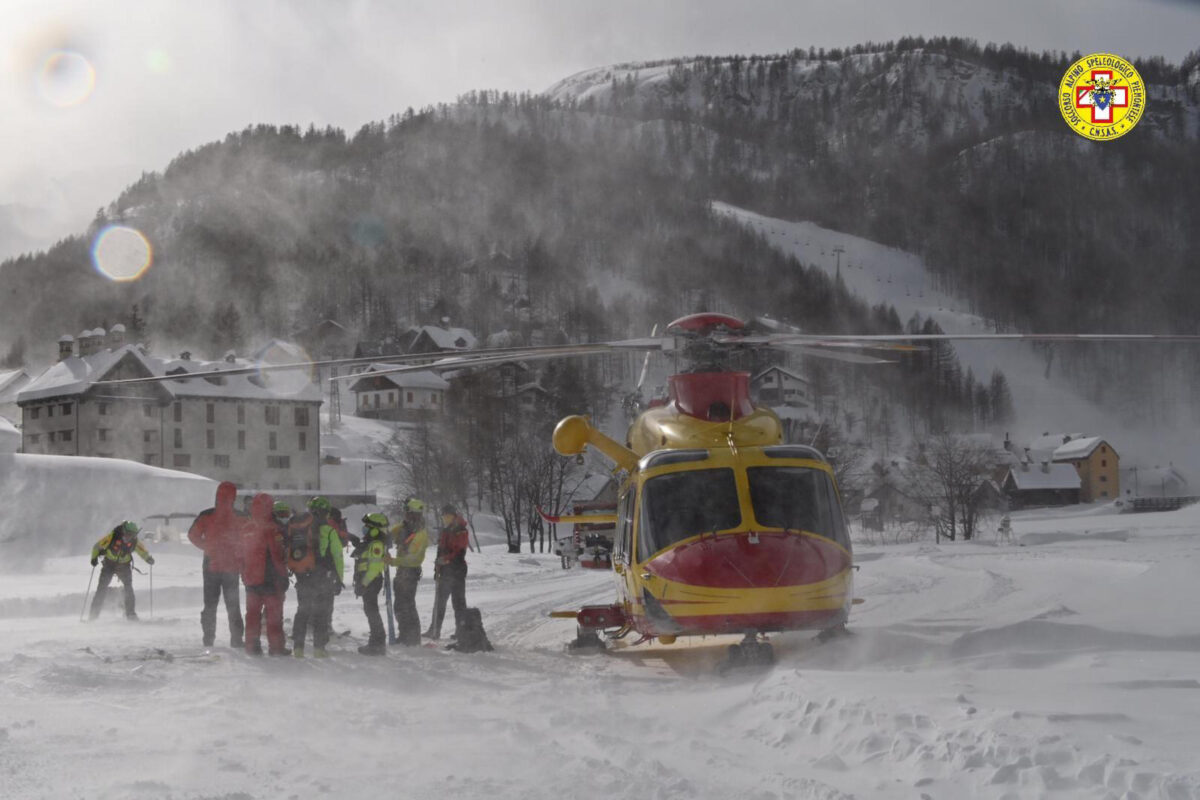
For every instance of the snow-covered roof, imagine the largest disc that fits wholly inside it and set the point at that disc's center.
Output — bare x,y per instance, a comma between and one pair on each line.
1045,476
12,379
425,379
1047,443
1077,448
450,338
783,370
75,375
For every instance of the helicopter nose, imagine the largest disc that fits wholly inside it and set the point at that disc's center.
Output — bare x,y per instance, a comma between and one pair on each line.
751,560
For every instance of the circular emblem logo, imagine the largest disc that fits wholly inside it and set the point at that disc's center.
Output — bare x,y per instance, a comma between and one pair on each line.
1102,96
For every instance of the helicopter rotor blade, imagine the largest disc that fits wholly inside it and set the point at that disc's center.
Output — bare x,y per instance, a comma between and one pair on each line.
646,361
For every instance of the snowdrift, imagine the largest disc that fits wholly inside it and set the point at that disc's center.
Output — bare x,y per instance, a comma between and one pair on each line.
60,505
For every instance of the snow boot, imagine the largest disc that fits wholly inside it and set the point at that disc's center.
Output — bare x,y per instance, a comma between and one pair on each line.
283,652
298,652
320,652
372,649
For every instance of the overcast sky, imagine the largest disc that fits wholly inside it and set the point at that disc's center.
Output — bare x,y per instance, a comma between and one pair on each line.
169,76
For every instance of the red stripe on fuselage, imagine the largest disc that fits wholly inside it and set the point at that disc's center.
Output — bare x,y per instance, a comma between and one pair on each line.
735,561
713,624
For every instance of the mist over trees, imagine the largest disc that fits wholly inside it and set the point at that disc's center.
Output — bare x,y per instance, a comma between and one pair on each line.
585,215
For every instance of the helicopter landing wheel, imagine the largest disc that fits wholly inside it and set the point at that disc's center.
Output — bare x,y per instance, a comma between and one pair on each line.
750,653
587,640
836,632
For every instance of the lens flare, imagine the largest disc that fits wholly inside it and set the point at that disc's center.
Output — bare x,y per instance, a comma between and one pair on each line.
66,78
121,253
286,381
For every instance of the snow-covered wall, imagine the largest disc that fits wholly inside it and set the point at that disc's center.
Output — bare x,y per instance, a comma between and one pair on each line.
60,505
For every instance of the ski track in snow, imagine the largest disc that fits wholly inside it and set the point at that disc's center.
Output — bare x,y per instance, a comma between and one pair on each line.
1056,668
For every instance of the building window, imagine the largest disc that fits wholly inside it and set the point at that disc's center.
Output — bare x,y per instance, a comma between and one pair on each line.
301,415
377,399
179,437
435,398
241,414
147,410
279,462
66,409
391,399
272,414
1104,479
303,440
49,411
102,409
1104,462
51,437
34,438
210,438
182,460
178,412
102,434
241,440
66,436
271,441
210,413
1103,449
150,458
408,397
149,436
35,412
364,401
221,461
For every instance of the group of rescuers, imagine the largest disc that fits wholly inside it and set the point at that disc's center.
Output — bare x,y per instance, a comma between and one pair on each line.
273,542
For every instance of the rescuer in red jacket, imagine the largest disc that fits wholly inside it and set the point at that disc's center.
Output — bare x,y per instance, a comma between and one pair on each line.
450,569
218,532
265,575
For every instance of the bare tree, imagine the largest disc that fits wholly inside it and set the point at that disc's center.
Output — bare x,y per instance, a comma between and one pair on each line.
946,476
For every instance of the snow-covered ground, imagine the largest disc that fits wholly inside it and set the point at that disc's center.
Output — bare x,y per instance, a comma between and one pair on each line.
1062,665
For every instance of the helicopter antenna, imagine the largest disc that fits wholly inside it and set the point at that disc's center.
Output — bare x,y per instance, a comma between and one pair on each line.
813,443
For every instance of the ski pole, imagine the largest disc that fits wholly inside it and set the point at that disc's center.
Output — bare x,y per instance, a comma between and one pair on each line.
151,590
88,591
387,588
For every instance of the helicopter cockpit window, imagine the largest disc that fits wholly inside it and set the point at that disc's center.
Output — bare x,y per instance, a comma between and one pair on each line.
680,505
796,498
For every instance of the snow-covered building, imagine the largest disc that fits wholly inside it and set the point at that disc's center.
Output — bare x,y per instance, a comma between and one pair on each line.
257,430
11,382
432,339
780,386
1042,448
398,396
1098,466
1044,484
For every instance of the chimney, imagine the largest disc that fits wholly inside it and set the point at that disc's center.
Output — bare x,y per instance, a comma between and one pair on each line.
185,356
89,342
1066,438
116,337
66,347
1008,445
230,357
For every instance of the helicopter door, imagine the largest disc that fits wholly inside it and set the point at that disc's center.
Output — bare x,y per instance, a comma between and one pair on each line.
622,552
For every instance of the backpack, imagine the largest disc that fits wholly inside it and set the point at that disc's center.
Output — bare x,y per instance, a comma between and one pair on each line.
300,544
470,638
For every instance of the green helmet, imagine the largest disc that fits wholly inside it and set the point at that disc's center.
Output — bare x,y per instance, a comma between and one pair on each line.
376,520
415,506
130,528
282,509
319,504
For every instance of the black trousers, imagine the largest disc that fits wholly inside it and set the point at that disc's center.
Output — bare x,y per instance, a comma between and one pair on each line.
408,620
314,606
215,585
124,572
451,584
370,598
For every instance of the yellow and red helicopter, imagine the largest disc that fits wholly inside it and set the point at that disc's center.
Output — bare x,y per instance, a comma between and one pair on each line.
721,527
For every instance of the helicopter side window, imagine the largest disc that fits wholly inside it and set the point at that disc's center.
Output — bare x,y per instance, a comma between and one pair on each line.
796,498
680,505
624,529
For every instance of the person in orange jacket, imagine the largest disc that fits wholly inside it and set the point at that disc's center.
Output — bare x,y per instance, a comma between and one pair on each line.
218,532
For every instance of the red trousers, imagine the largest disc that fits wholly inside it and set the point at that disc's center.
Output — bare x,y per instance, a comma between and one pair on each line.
272,604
